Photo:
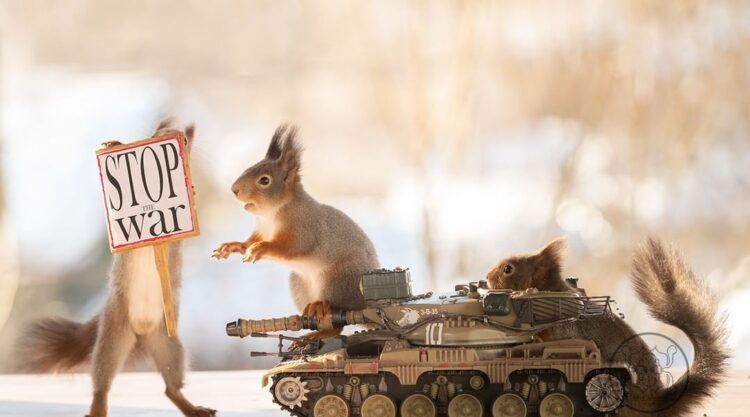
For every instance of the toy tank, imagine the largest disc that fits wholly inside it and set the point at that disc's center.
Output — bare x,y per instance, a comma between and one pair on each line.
473,352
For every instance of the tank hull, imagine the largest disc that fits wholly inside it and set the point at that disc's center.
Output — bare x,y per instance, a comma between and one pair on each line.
529,372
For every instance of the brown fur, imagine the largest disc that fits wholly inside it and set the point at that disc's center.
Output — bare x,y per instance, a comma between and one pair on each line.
674,296
541,270
57,344
110,337
327,251
659,277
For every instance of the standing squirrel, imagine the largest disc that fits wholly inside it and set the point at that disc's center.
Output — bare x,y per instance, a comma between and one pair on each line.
132,319
327,251
673,296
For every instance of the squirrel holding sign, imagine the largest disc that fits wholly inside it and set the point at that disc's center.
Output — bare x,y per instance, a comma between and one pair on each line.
132,319
327,251
673,296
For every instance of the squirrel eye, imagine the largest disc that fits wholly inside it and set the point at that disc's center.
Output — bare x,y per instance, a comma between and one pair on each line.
264,180
507,269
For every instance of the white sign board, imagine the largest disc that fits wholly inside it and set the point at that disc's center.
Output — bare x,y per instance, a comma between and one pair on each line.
148,195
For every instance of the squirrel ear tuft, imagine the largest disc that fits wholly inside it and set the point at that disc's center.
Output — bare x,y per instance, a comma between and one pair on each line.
554,252
291,153
190,132
164,124
274,148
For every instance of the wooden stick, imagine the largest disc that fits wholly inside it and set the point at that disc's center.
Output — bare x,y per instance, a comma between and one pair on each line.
161,256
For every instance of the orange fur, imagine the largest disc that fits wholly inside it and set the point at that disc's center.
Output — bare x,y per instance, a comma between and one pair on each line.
541,270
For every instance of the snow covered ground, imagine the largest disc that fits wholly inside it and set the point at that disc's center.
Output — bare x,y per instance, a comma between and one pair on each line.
234,394
136,394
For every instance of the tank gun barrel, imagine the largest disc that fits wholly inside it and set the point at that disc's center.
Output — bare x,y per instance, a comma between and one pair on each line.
337,318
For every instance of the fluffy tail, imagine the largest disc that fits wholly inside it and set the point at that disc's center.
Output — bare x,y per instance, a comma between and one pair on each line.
57,344
674,296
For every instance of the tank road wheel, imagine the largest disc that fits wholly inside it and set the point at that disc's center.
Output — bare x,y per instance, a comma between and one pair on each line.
556,405
465,405
378,405
509,405
418,405
290,391
604,392
331,406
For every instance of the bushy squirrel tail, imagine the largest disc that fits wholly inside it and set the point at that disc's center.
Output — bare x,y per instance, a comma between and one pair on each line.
674,296
56,345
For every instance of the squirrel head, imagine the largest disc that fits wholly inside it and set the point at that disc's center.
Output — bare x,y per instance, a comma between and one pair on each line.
541,270
267,185
165,129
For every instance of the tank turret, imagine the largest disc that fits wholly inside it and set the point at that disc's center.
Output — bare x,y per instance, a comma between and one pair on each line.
467,353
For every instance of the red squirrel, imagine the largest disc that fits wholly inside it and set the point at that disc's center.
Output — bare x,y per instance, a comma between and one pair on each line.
326,250
132,320
672,295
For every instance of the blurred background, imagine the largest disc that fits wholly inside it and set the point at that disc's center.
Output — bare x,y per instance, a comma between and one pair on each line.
455,133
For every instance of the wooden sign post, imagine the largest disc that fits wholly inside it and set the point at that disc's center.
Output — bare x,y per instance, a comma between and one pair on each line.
149,200
161,257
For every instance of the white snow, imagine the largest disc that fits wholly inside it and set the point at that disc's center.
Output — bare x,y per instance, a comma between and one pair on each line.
134,394
233,394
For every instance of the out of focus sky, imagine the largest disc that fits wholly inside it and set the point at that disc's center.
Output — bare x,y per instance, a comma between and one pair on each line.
455,133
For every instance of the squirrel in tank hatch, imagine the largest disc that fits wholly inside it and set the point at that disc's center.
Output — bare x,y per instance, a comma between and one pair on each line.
326,250
131,323
672,295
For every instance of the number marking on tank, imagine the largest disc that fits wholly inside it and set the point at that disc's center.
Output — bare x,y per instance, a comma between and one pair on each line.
434,334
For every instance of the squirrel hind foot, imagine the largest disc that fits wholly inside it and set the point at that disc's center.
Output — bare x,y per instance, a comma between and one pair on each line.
202,412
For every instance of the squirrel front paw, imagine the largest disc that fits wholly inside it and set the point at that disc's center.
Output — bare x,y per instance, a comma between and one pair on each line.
319,309
255,252
110,143
228,248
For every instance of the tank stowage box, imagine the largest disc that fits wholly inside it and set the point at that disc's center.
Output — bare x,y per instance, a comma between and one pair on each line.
384,283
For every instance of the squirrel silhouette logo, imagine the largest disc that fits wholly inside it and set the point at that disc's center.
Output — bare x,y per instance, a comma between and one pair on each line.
664,361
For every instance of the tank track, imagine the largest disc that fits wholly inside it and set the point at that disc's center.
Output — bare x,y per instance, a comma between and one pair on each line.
532,385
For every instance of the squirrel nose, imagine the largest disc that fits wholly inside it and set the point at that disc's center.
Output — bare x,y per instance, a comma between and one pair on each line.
235,190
